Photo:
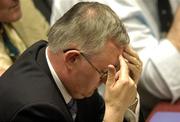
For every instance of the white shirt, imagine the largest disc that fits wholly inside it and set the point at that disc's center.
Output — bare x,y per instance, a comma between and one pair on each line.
58,82
161,60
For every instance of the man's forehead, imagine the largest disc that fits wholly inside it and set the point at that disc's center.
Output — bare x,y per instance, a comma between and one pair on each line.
118,45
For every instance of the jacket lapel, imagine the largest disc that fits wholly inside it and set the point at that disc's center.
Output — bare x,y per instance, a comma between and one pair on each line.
41,60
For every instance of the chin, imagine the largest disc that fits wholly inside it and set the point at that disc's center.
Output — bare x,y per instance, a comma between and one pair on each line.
13,18
16,17
15,14
82,96
89,94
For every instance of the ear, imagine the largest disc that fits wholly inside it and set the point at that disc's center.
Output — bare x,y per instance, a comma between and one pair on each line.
71,58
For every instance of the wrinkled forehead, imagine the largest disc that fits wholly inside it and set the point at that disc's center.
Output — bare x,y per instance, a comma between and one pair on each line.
110,54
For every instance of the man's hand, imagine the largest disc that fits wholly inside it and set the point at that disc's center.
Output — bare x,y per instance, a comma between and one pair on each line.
119,93
134,63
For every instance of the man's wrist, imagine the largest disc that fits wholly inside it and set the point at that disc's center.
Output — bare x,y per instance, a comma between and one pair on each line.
113,115
133,105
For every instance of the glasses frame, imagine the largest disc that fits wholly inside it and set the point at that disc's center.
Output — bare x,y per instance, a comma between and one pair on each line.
103,75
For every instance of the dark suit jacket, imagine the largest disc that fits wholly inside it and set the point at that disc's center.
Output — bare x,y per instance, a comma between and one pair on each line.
28,93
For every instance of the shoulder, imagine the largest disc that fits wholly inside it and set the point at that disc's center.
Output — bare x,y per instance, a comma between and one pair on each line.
38,112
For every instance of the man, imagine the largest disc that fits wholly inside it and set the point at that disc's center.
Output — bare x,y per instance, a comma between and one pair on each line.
84,49
21,24
154,34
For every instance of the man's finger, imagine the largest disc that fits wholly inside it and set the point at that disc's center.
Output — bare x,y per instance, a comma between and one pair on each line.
111,75
124,72
129,50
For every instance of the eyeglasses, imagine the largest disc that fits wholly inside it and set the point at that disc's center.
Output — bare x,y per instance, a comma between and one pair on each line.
103,75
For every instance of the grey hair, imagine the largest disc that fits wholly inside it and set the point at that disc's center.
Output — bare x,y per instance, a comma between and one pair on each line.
88,26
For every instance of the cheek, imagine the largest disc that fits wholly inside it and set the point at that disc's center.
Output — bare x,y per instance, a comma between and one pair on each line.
88,82
10,15
16,14
88,75
91,79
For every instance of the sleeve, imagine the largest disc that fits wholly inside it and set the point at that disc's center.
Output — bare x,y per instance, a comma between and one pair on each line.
160,58
133,111
161,71
38,113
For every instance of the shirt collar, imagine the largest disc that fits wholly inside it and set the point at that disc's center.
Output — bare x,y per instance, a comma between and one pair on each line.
58,82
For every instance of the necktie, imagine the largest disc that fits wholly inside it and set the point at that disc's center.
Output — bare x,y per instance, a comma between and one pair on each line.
13,51
165,15
72,106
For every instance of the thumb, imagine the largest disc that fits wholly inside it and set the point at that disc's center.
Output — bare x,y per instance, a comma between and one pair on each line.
111,75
